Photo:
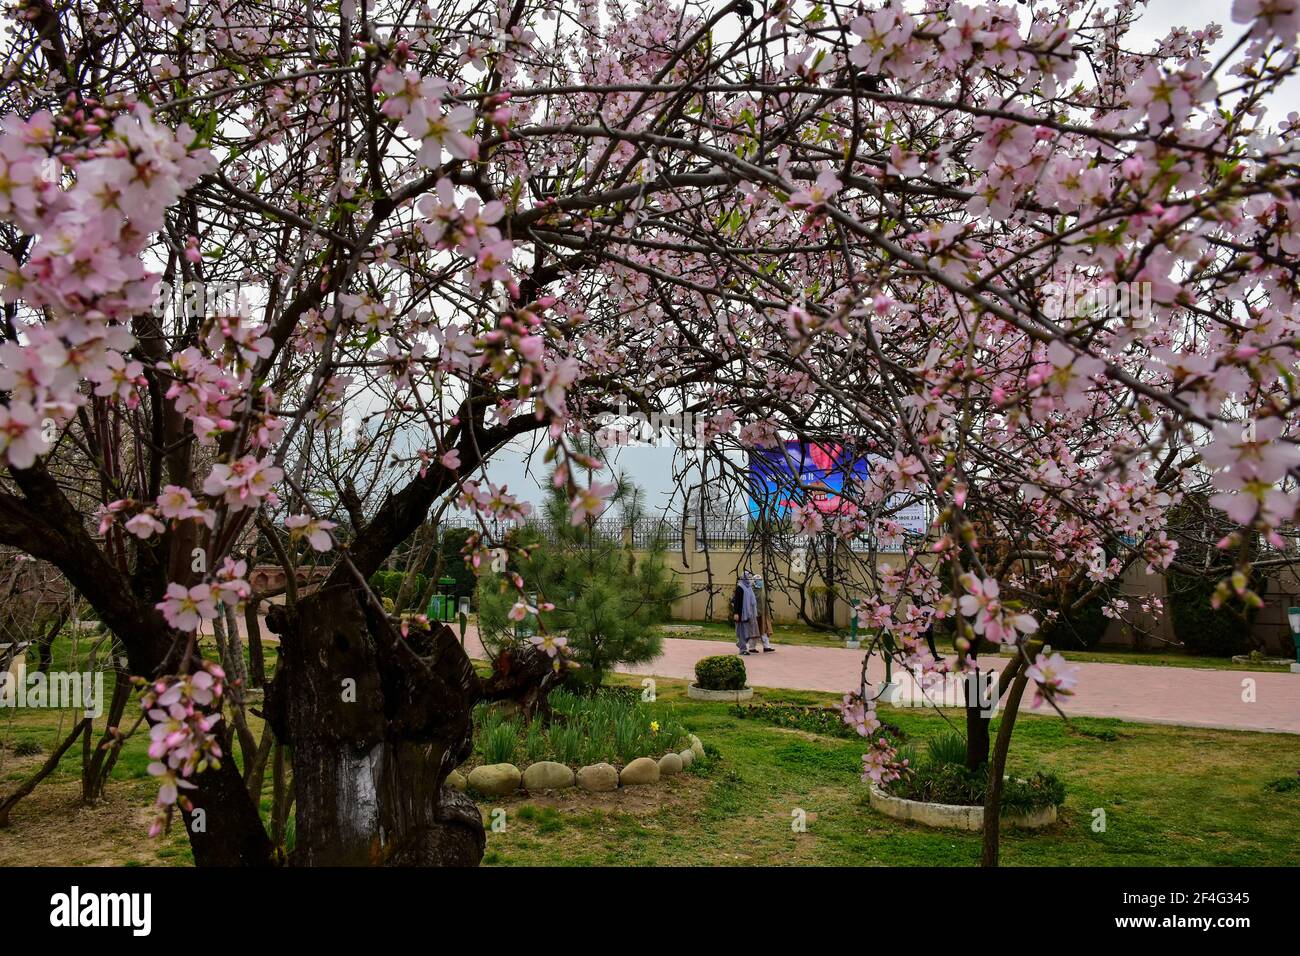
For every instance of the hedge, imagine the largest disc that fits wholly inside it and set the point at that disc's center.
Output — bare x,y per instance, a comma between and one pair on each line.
725,672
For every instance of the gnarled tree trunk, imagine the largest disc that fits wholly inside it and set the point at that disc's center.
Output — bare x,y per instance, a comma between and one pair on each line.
375,722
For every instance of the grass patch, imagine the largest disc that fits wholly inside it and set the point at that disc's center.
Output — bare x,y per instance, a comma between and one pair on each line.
1172,797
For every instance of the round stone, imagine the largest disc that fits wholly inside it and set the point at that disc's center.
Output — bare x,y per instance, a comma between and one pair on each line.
598,778
641,771
547,775
495,779
670,764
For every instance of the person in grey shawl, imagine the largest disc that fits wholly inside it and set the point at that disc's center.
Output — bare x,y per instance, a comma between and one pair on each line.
744,611
764,619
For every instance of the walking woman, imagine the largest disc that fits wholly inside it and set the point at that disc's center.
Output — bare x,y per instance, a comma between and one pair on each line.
744,611
764,618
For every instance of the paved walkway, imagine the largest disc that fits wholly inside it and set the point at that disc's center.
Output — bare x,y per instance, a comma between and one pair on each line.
1186,696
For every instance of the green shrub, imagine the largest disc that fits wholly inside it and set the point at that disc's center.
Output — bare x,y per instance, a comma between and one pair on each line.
629,739
724,672
448,561
953,784
500,742
827,721
534,742
418,584
583,729
1201,628
946,748
606,604
1078,628
566,743
27,748
1285,785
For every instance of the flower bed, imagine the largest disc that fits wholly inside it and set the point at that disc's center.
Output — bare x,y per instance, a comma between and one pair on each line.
942,792
828,721
608,726
954,785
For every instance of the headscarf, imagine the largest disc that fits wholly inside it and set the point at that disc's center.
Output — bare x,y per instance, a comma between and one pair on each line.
748,603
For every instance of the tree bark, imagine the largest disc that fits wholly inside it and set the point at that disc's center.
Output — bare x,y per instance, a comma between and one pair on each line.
977,737
997,769
256,659
45,525
376,723
977,722
95,776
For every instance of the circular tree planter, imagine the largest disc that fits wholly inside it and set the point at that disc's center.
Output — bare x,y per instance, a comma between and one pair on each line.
951,817
681,628
1275,661
696,692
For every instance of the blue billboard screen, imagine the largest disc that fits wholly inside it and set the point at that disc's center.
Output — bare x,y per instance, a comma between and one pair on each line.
796,472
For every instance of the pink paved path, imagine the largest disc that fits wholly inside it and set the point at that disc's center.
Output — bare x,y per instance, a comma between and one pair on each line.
1187,696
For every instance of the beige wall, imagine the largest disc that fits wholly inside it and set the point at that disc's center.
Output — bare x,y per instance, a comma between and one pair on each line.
708,579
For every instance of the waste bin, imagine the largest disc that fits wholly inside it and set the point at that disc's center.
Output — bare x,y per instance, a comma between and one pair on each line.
442,606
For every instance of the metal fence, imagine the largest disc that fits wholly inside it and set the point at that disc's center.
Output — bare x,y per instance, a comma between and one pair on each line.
740,531
726,533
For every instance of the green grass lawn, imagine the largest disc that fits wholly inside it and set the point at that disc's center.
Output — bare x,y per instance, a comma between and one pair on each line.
1171,796
803,635
800,634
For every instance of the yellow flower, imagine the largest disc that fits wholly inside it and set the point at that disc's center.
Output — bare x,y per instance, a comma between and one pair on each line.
654,726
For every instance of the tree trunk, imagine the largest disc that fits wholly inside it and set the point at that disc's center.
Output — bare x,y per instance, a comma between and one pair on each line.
95,775
256,660
978,723
977,737
426,537
45,643
236,652
230,832
376,723
997,769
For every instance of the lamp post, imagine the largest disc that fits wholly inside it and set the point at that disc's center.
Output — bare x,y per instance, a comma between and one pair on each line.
1293,618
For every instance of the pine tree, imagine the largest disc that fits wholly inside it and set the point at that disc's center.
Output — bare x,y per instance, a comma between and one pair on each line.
607,602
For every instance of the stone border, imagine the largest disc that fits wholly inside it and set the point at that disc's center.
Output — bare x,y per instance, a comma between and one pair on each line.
696,692
952,817
1274,661
505,779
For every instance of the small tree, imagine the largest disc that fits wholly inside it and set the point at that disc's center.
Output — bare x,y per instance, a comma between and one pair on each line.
606,603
